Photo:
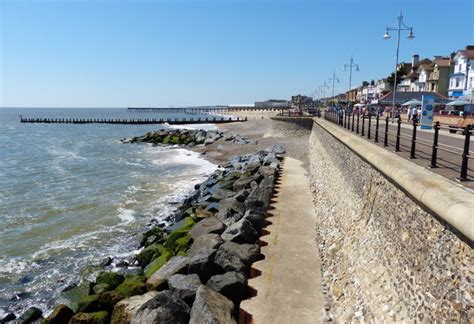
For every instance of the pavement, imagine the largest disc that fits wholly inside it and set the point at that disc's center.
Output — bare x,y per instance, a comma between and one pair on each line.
289,288
450,148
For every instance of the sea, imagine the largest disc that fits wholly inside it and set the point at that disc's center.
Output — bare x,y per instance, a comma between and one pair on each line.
72,195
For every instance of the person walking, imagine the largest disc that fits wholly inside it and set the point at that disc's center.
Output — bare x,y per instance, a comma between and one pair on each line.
414,114
408,114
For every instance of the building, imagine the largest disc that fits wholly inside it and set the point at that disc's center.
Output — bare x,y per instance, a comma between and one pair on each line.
301,103
382,88
351,95
423,71
272,103
461,81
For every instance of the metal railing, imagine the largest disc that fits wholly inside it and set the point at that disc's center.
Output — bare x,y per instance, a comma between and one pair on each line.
363,125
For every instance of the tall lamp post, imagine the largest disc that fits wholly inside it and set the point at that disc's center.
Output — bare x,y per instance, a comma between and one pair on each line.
334,79
400,27
351,65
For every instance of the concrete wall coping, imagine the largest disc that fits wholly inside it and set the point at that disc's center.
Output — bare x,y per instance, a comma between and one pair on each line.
446,199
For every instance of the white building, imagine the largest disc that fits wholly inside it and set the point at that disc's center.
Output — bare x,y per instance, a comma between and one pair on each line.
461,82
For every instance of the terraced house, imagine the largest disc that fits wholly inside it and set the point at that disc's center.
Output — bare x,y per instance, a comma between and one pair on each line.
434,77
461,82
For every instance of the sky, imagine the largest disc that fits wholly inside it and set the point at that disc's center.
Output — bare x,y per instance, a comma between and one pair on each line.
123,53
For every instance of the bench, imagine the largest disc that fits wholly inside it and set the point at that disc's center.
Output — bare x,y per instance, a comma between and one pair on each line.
454,127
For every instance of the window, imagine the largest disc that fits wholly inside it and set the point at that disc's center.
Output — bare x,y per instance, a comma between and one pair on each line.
457,83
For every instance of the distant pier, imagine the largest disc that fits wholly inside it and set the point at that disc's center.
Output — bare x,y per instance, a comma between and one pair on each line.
196,110
170,121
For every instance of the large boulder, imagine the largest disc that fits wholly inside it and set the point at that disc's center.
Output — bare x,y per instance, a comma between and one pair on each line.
259,198
242,231
184,286
230,284
165,308
107,280
237,257
88,303
230,210
244,182
61,314
211,225
30,315
211,307
202,264
100,317
206,241
108,299
175,265
125,309
257,220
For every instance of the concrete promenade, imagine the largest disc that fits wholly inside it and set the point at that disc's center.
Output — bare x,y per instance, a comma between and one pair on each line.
449,153
289,287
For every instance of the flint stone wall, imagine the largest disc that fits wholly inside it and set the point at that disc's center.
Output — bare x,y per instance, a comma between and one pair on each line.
384,258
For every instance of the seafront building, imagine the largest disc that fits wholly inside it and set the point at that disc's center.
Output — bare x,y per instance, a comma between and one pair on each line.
448,77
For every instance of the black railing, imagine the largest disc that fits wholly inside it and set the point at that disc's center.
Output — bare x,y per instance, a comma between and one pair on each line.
356,122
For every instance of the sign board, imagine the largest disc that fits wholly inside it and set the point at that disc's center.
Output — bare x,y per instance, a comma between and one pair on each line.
427,111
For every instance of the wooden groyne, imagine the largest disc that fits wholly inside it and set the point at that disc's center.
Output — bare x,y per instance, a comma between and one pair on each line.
174,121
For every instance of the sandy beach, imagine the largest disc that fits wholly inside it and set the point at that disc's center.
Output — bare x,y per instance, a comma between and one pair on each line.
265,132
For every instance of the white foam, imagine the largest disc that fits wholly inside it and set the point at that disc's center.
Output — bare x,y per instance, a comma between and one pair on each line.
193,126
126,215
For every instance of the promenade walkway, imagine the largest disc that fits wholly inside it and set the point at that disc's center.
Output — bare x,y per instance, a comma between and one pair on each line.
289,287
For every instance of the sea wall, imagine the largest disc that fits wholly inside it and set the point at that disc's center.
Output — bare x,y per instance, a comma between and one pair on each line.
289,126
385,256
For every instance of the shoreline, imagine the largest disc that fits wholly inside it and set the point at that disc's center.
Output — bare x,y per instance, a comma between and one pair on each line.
205,157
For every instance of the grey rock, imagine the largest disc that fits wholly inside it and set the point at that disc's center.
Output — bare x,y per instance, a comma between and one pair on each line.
229,207
267,171
244,183
241,232
210,307
30,315
165,308
184,286
175,265
241,195
211,225
237,257
202,264
230,284
125,309
7,318
257,220
61,314
206,241
221,194
259,198
276,149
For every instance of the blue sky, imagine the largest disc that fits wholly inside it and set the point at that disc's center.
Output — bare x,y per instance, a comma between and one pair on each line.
105,53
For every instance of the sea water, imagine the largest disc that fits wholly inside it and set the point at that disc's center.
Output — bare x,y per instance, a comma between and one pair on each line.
72,195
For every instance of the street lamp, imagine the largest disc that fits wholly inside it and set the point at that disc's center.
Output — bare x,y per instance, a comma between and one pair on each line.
400,27
333,79
350,66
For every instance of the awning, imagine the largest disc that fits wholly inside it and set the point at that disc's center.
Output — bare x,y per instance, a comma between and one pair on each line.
413,102
458,103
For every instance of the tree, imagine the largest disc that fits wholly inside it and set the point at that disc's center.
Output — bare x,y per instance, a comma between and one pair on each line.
400,72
